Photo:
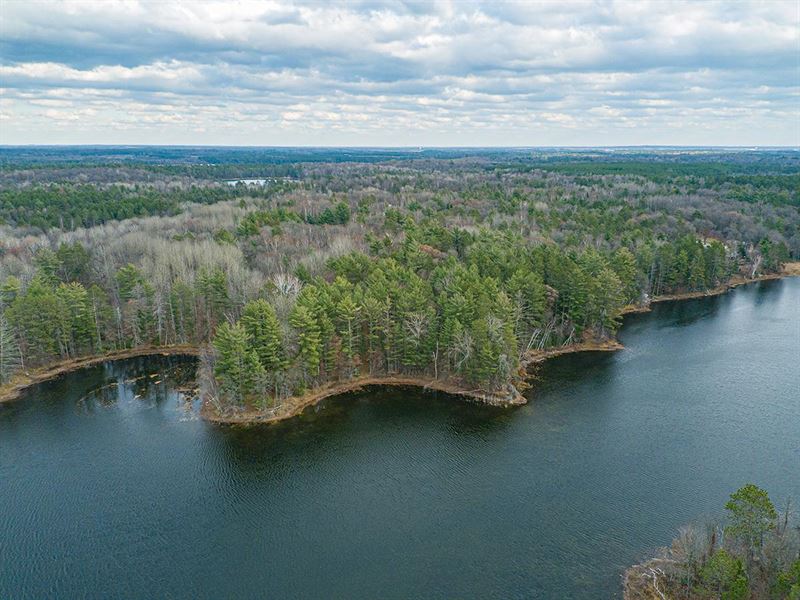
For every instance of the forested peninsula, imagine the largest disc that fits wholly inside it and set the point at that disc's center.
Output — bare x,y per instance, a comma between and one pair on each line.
453,272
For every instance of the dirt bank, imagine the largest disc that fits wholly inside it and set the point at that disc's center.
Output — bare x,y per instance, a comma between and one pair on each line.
297,404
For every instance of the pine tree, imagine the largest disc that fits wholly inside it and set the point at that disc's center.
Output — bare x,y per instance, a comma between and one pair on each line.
237,366
213,288
10,357
348,325
128,278
697,272
308,339
76,321
10,290
484,359
36,314
74,262
47,266
264,334
624,265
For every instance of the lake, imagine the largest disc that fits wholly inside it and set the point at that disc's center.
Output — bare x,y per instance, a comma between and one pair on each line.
111,487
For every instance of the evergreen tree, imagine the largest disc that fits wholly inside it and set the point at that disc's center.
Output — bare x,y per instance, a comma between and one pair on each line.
309,343
751,514
74,262
725,577
37,314
264,334
348,326
10,357
76,318
47,266
697,272
624,265
237,366
9,290
128,278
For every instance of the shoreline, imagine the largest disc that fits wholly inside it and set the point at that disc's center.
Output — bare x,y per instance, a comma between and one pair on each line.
22,381
297,404
790,269
533,357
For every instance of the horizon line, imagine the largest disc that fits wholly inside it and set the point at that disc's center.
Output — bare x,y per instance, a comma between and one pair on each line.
406,147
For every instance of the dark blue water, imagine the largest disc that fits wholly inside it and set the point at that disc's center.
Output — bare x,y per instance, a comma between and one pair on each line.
122,493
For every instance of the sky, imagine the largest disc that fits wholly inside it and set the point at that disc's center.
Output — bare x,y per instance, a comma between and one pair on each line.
370,73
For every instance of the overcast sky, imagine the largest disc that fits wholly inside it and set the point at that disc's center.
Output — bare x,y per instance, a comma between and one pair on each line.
400,73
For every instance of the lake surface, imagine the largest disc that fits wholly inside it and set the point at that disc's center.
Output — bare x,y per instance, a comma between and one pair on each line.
122,493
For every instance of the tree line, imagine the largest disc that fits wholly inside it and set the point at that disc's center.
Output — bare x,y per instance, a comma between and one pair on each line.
68,206
435,269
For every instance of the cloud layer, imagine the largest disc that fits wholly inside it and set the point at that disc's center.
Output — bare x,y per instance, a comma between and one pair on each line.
400,73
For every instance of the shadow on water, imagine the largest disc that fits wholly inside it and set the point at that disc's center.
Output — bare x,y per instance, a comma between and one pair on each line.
569,369
130,384
337,423
682,313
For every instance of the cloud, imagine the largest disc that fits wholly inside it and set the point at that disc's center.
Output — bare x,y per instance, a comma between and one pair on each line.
460,73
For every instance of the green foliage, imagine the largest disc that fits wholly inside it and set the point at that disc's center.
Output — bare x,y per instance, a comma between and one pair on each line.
38,315
724,577
9,290
75,324
309,339
68,206
623,263
264,334
10,357
237,367
47,265
339,214
254,221
755,558
128,279
751,514
788,582
74,262
470,263
223,236
212,289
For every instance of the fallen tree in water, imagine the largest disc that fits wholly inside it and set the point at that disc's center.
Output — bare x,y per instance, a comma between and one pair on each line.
25,379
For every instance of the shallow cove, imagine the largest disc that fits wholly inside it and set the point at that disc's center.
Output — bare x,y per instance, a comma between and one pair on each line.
398,493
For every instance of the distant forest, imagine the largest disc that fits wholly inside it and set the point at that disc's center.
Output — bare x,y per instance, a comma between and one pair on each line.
447,264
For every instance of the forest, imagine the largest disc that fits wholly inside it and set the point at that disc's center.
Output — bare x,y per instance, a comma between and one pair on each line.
754,553
436,266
